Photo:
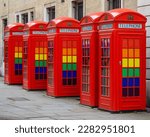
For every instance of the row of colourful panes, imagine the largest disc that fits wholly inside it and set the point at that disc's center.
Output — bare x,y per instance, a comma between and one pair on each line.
131,92
18,54
130,82
130,62
69,67
41,70
69,51
69,74
69,59
72,81
40,76
131,72
18,49
131,53
40,50
40,63
40,56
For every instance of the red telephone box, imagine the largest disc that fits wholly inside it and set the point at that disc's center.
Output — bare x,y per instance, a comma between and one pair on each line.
13,43
64,57
122,47
35,56
89,35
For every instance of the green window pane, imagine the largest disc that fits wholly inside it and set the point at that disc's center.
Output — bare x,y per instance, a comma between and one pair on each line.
37,63
69,66
64,66
131,73
44,63
41,63
20,61
137,72
124,72
74,66
16,61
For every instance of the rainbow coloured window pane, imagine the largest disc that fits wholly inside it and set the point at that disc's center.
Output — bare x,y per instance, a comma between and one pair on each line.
18,60
40,63
130,67
69,64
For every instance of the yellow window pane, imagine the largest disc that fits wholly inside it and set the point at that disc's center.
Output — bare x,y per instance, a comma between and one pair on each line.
64,59
137,52
74,59
124,63
69,51
16,49
20,49
41,50
131,64
64,51
69,59
20,55
36,56
41,57
45,50
130,52
16,55
137,62
74,51
36,50
45,56
124,53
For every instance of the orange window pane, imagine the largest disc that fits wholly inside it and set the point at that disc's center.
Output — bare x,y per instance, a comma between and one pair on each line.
45,50
16,49
74,51
20,49
137,52
69,51
124,53
41,50
130,52
64,51
36,50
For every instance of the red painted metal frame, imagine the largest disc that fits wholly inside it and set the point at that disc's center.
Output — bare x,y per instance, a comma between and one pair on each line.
33,41
90,22
11,41
115,101
55,35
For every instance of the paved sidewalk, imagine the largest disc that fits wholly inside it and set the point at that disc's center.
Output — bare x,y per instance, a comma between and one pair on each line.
16,103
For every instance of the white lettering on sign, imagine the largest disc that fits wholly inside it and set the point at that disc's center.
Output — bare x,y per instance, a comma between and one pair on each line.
26,33
106,26
17,33
130,26
52,31
39,32
69,30
87,28
6,34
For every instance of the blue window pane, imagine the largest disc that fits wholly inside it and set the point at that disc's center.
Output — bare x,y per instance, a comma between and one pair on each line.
64,74
137,82
44,69
16,66
69,74
41,70
74,74
36,70
124,82
20,66
131,82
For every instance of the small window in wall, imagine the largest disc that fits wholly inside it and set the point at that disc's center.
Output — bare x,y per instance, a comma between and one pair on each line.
31,16
4,23
77,8
17,18
24,18
50,13
114,4
62,1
